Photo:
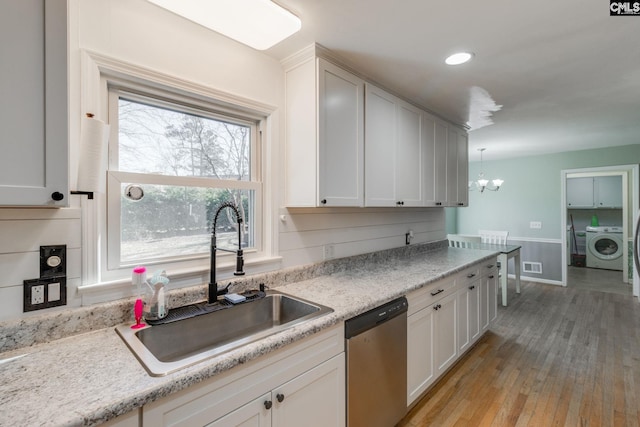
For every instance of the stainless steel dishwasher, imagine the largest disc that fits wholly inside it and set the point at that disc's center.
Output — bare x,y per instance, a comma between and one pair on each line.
376,344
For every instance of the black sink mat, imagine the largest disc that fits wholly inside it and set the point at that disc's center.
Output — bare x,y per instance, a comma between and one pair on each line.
198,309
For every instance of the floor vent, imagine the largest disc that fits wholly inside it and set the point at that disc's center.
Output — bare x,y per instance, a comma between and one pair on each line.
532,267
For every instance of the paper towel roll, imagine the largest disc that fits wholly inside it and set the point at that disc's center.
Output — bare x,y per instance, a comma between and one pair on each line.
94,135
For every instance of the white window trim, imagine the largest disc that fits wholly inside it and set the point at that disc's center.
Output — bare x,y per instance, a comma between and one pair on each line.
99,72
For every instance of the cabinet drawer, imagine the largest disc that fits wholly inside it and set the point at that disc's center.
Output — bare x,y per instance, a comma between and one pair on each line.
489,267
431,293
468,276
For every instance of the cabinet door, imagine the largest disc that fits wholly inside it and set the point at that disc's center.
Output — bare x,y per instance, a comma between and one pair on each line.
429,160
468,315
420,369
463,169
488,299
580,192
409,155
492,292
608,191
445,344
315,398
484,305
253,414
33,113
452,167
340,137
473,314
380,144
464,339
440,175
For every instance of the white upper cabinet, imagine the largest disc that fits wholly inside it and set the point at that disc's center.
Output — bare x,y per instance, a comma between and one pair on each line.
594,192
445,163
325,136
607,191
393,148
380,147
350,143
460,139
409,155
580,192
34,113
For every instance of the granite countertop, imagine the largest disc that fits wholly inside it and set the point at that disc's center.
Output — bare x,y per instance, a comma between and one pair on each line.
92,377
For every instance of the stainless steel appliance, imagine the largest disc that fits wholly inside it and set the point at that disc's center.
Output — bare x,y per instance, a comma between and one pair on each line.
604,247
376,343
636,246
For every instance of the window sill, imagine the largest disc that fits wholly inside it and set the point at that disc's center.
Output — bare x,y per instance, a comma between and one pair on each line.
188,277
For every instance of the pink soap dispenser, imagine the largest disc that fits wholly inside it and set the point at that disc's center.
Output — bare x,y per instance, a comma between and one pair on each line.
138,278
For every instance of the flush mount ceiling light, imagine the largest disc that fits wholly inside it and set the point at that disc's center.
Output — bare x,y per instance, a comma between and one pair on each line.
482,183
459,58
256,23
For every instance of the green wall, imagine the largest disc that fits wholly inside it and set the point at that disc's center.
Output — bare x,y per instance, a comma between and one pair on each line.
531,192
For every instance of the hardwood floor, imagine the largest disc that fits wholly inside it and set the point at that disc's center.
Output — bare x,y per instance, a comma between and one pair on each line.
554,357
595,279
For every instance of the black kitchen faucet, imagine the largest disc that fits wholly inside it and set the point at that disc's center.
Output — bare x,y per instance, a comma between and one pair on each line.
213,284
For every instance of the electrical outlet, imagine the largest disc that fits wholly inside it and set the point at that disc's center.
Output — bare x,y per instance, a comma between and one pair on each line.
535,224
45,292
328,251
408,237
37,294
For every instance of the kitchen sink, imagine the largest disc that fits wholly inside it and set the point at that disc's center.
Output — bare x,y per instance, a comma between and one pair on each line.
166,348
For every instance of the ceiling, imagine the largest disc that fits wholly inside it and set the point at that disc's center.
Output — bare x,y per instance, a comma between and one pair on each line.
565,73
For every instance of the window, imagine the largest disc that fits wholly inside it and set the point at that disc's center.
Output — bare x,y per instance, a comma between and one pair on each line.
172,162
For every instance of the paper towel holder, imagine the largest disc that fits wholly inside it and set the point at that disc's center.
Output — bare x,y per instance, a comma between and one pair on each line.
89,194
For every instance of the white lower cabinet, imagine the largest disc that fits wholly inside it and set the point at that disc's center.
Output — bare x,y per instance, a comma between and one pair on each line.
444,333
488,295
315,398
132,419
301,384
445,319
468,295
430,339
253,414
468,314
420,371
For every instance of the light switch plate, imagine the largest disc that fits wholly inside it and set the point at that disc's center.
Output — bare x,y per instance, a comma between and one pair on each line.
53,260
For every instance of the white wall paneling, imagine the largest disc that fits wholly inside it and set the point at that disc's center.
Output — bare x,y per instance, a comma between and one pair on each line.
22,232
304,232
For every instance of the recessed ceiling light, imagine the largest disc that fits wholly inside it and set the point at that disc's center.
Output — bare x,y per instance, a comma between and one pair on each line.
256,23
459,58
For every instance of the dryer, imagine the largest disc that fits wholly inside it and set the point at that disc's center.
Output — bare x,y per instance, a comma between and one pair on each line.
604,247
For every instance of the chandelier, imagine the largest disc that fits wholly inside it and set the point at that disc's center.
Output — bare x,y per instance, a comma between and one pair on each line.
482,183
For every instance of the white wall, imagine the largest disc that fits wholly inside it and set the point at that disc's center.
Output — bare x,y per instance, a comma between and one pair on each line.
305,232
140,33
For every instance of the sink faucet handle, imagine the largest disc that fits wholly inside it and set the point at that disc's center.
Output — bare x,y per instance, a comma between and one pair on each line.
225,290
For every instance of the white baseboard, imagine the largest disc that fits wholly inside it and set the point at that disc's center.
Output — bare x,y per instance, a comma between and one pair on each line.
536,279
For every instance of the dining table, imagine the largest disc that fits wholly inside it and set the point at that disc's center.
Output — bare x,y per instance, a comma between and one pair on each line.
506,252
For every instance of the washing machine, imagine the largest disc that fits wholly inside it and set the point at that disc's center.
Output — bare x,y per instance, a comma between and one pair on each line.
604,247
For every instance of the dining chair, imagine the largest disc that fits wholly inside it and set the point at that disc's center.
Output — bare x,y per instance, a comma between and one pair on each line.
492,236
462,241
